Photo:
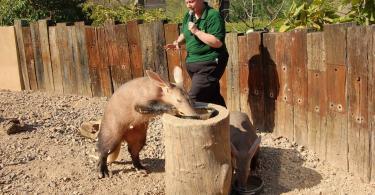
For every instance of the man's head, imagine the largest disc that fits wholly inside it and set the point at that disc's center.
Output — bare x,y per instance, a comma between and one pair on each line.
195,5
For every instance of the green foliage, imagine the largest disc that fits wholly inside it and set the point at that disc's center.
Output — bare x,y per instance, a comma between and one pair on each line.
175,10
361,11
123,13
56,10
309,15
13,9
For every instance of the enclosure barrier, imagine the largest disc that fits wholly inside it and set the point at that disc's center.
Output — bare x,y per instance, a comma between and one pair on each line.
316,89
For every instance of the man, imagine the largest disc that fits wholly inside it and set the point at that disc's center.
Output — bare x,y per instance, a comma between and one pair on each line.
203,31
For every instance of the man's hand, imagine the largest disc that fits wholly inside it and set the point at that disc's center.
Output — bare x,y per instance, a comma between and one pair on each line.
192,27
174,45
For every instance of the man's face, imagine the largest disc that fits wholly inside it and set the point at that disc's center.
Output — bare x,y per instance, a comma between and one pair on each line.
192,4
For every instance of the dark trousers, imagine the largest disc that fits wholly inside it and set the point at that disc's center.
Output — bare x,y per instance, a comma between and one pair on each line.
205,77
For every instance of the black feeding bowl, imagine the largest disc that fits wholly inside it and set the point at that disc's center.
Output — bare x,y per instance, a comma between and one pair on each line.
254,186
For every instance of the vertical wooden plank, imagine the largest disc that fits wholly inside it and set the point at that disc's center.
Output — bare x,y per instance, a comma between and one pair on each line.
55,60
82,61
284,104
317,94
251,78
233,83
30,60
152,43
18,24
173,56
299,64
358,124
244,69
187,79
271,80
121,71
159,43
93,60
337,118
372,98
46,55
104,68
135,48
69,69
39,69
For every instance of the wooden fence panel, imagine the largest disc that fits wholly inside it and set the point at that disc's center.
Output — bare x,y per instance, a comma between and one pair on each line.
18,24
335,42
317,94
39,69
152,45
46,55
83,76
135,50
358,126
271,80
251,78
55,60
299,72
233,82
93,60
284,104
104,68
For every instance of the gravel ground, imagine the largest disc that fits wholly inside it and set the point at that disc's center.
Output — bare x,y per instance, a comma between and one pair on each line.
52,157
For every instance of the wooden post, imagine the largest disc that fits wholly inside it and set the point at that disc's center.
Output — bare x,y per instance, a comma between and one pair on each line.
197,154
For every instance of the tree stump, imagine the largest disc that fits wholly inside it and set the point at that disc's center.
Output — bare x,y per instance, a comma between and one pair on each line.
197,154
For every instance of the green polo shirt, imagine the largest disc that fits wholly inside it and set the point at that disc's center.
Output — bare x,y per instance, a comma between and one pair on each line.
210,22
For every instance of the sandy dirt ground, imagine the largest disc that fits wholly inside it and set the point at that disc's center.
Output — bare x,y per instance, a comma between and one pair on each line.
52,157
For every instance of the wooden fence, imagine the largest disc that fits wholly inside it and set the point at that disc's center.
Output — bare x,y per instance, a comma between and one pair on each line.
316,89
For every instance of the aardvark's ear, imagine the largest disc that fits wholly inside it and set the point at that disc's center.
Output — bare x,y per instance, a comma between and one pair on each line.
178,78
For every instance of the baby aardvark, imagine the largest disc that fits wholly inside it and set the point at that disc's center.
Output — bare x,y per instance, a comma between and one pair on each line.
124,119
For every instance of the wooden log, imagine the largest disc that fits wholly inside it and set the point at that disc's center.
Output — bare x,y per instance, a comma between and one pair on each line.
135,50
104,68
317,94
359,133
254,81
372,98
284,104
46,55
18,24
152,43
29,54
337,119
173,56
233,82
271,80
197,154
299,72
121,70
38,62
55,60
187,79
82,60
93,60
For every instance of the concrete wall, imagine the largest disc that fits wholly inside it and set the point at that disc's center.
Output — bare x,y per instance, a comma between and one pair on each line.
9,66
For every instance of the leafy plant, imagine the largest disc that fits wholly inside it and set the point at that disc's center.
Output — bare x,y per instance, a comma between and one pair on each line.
311,15
55,10
361,11
99,14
